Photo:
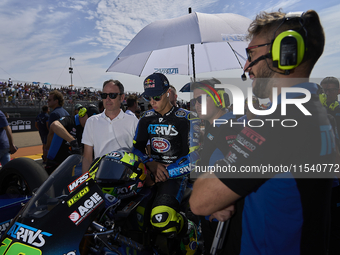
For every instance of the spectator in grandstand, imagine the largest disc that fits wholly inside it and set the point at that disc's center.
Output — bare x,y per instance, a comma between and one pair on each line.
2,97
41,123
7,146
112,129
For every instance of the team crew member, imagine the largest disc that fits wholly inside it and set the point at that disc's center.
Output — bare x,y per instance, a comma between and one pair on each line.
77,107
56,101
173,95
331,85
64,133
132,105
287,214
168,129
215,137
7,146
331,88
41,123
112,130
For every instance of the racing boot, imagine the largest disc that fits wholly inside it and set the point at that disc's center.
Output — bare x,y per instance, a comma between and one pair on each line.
189,243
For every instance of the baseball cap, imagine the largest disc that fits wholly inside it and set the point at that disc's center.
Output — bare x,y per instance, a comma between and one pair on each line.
77,106
155,84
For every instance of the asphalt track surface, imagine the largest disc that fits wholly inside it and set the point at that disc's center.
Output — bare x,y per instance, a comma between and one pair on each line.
29,145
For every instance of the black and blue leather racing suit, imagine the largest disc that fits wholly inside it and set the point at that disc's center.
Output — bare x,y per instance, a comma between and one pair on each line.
174,139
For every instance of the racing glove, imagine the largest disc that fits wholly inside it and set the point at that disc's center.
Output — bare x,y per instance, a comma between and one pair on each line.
183,166
74,147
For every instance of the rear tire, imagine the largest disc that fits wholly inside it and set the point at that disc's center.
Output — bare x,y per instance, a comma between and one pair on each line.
21,176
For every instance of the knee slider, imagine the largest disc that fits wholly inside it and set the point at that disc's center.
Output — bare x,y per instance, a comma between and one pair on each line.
166,220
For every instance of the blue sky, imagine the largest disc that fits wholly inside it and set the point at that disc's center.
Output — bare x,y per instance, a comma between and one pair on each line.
38,37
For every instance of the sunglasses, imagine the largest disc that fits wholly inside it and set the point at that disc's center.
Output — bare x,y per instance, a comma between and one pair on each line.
156,98
197,99
111,95
254,47
330,90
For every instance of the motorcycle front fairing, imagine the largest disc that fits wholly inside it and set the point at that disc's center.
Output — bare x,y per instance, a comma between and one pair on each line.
58,215
9,207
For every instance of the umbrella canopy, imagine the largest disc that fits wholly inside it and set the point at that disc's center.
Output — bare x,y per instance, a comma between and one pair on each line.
186,88
165,46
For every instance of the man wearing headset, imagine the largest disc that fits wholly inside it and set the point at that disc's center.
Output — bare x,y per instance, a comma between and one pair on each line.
283,212
215,134
67,133
331,88
329,91
172,154
216,137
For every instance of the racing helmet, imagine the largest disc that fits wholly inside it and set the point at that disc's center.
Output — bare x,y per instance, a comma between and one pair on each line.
121,174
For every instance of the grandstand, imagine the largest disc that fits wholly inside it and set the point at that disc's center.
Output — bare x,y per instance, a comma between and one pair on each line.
25,99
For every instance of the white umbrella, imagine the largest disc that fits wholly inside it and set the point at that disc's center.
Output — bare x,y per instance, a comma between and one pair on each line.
164,46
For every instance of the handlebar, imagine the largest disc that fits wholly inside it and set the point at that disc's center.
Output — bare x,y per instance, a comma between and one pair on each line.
129,242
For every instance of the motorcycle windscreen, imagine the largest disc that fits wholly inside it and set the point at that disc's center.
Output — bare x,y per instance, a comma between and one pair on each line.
56,218
112,171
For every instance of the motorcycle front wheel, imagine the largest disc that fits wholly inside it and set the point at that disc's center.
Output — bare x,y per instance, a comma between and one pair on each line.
20,176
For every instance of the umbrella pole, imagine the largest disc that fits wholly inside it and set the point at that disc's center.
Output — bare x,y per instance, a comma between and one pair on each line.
192,55
235,53
193,61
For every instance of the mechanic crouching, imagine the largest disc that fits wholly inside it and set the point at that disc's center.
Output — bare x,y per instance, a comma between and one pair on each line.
65,137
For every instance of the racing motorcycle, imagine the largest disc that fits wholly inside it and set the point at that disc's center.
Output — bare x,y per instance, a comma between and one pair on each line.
104,211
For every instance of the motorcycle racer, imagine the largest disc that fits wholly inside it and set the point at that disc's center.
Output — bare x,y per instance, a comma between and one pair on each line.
173,135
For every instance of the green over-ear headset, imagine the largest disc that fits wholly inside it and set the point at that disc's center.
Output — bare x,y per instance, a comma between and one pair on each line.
323,99
288,48
221,99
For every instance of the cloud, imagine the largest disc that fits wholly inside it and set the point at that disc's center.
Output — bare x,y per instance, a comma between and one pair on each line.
82,40
284,5
119,21
18,26
328,63
33,35
330,20
38,37
251,8
77,5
